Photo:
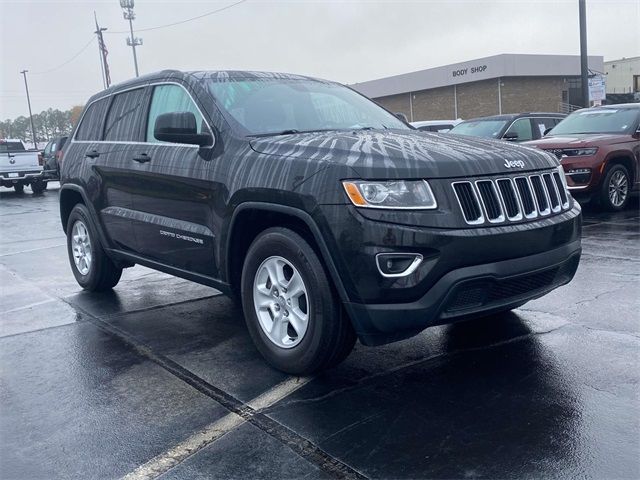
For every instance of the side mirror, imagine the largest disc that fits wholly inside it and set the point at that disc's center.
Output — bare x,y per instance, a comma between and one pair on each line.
402,117
510,136
180,127
547,131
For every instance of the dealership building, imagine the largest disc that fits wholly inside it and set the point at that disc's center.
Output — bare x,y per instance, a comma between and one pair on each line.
507,83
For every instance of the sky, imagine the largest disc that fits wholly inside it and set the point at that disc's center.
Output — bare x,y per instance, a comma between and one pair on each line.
347,41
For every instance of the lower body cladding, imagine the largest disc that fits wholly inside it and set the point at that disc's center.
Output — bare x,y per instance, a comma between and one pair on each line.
450,274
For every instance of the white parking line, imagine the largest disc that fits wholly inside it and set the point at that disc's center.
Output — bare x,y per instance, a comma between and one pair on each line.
172,457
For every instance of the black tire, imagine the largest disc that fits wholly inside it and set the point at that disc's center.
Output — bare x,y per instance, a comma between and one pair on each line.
38,186
329,337
19,188
103,274
604,199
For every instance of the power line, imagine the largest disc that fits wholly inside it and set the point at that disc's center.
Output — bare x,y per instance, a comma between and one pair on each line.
183,21
68,61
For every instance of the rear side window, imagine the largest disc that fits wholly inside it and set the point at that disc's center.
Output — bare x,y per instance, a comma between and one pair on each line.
168,99
90,127
125,116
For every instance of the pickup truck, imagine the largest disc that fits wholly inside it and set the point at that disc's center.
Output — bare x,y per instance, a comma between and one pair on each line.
20,167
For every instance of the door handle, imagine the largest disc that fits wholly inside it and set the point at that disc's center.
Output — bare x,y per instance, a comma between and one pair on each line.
142,158
92,154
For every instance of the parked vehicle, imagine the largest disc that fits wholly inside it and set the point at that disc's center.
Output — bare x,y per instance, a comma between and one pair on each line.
20,167
599,149
325,215
517,127
441,126
50,158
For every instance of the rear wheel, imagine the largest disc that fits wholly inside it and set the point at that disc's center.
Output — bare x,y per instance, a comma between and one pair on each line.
614,193
293,315
93,269
19,188
38,186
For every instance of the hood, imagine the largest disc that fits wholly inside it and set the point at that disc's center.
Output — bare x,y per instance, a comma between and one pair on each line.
407,153
578,140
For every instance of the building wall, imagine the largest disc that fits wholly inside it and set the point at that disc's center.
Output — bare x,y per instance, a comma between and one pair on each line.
531,94
396,103
478,99
434,104
620,74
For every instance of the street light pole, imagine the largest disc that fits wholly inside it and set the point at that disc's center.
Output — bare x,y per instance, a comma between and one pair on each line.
132,41
33,130
584,61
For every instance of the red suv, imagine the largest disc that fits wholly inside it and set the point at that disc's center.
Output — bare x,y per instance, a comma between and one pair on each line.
599,149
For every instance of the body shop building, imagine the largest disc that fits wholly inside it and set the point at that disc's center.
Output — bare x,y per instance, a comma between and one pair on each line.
507,83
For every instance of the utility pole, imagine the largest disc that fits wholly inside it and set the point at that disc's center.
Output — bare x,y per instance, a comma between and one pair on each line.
584,61
132,41
26,87
101,49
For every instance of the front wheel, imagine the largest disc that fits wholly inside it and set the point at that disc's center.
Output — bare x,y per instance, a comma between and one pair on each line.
93,269
615,188
295,318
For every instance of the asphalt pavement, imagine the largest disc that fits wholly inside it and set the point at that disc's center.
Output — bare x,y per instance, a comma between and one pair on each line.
159,378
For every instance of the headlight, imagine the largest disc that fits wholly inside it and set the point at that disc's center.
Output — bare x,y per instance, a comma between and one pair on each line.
399,194
579,152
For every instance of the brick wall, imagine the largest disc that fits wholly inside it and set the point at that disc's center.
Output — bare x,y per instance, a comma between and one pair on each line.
434,104
396,103
531,94
478,99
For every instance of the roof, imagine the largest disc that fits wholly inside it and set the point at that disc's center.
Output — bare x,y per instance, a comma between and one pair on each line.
496,66
511,116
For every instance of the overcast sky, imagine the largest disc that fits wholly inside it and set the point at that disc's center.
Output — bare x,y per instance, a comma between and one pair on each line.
347,41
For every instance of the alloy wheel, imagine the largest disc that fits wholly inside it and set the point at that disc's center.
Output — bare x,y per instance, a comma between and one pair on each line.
281,302
81,247
618,188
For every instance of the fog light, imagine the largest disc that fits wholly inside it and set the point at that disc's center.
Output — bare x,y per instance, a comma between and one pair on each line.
397,264
578,171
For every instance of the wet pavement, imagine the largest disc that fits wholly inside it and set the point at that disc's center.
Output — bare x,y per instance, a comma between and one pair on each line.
159,378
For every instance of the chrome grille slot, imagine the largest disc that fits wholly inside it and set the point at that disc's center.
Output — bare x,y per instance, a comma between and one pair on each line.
541,195
526,197
509,199
553,193
468,201
563,193
490,201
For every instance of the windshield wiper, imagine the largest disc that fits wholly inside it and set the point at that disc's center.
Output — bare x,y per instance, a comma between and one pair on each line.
289,131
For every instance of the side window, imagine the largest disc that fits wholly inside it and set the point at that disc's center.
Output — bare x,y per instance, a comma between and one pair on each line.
521,127
125,116
90,127
48,148
167,99
542,124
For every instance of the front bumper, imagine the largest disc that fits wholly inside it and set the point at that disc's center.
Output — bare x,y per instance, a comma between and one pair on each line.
465,272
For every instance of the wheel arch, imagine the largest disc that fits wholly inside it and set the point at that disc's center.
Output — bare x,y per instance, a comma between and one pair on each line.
620,158
257,217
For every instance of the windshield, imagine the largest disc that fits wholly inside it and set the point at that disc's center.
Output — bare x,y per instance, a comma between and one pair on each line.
11,147
271,106
599,120
480,128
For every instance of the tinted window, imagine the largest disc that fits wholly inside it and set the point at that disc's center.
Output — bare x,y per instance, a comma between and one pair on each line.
542,124
48,148
90,127
11,147
436,128
599,120
167,99
272,105
125,115
522,128
480,128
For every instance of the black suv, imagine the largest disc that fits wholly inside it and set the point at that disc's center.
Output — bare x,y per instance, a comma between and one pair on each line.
325,215
515,127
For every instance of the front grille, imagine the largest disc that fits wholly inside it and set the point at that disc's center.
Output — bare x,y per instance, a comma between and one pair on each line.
512,198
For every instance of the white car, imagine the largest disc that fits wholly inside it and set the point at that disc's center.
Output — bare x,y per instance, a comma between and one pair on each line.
20,167
436,125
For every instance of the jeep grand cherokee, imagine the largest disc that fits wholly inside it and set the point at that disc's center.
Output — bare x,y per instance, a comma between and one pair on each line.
327,217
